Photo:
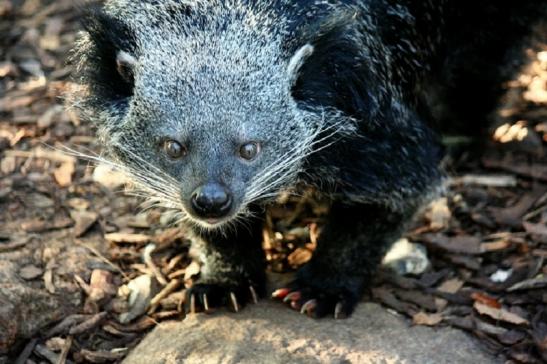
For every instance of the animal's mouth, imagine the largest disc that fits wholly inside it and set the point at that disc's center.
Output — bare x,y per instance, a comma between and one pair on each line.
211,223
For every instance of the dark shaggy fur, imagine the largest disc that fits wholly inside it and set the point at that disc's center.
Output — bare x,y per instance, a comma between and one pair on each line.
342,95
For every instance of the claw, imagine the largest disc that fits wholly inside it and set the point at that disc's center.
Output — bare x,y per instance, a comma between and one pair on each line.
205,302
253,294
192,304
234,301
308,307
338,311
295,305
280,293
293,296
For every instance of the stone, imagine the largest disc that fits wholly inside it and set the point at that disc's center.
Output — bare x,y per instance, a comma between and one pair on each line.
26,307
24,310
269,332
141,291
406,258
30,272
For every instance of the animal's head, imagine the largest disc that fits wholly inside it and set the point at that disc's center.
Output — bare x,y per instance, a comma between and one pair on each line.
197,103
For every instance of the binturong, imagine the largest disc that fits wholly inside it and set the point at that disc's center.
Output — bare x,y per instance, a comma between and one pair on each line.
214,107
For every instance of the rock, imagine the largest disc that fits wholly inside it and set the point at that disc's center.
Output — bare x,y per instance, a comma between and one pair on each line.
23,310
26,307
141,291
271,333
405,258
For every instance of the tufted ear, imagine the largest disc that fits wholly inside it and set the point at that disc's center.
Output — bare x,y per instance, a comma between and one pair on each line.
125,64
334,69
297,61
107,57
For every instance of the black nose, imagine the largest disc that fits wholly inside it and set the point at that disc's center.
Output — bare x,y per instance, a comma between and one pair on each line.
211,200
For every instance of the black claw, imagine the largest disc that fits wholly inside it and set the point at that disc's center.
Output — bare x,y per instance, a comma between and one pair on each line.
308,307
281,293
293,296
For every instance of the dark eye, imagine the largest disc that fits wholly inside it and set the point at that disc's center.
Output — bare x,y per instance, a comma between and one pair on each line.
174,149
249,151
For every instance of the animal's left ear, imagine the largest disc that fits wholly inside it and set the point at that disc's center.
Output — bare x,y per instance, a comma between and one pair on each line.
297,61
125,64
336,68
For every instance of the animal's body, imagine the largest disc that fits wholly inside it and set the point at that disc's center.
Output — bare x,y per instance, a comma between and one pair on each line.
215,106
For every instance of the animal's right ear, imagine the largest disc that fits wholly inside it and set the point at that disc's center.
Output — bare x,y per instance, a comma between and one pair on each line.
297,61
109,55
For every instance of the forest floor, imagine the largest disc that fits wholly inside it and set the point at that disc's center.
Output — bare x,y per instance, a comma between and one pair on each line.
84,275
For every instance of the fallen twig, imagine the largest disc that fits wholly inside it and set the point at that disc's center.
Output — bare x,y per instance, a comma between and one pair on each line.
171,287
88,324
147,256
65,351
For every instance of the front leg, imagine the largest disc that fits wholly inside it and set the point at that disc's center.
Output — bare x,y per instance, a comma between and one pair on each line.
349,250
232,267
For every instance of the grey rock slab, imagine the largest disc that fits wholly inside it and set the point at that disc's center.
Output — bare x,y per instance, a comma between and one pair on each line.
26,306
272,333
23,309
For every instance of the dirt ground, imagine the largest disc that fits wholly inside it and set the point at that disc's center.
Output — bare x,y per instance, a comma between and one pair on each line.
84,275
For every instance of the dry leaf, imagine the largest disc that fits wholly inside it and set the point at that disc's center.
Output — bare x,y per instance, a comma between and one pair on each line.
299,257
30,272
192,270
496,245
422,318
461,244
8,68
84,220
451,286
499,314
101,285
438,214
108,177
7,165
535,229
485,299
63,174
532,283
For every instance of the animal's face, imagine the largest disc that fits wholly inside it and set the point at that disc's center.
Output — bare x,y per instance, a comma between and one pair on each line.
225,136
203,119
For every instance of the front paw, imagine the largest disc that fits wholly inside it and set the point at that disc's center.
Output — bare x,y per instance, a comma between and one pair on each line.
318,296
205,296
